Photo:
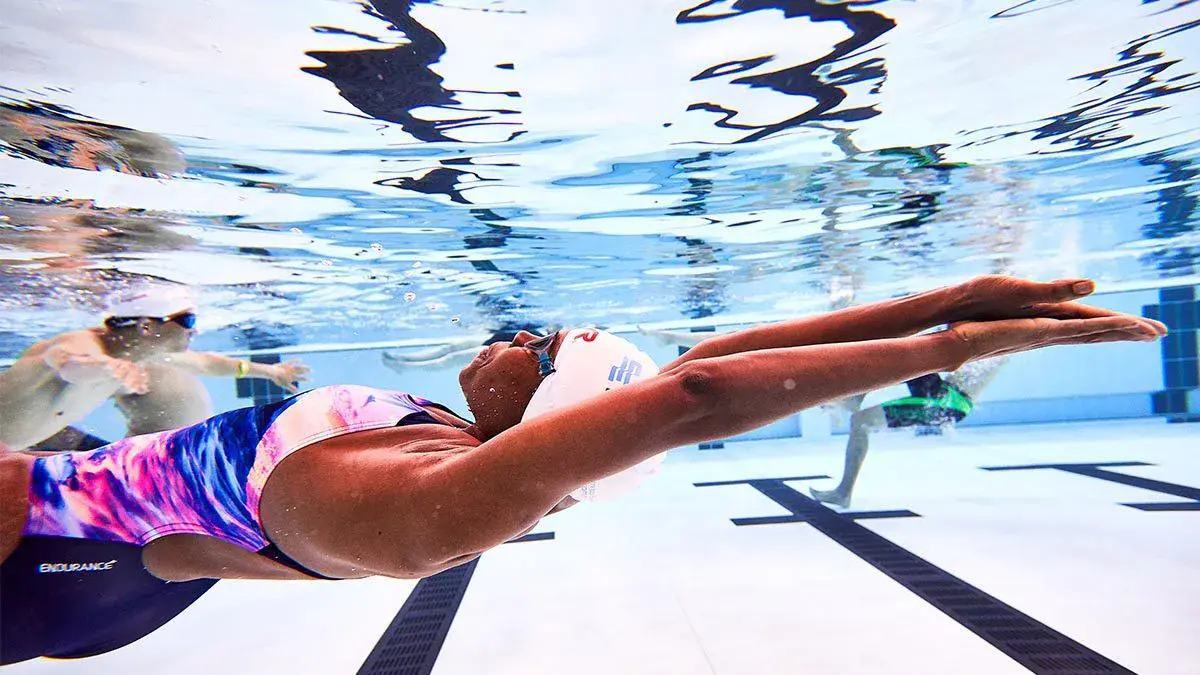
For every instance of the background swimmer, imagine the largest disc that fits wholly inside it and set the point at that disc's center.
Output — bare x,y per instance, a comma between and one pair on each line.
935,401
57,382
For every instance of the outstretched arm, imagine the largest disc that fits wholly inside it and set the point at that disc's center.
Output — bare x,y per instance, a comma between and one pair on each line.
286,375
981,298
458,504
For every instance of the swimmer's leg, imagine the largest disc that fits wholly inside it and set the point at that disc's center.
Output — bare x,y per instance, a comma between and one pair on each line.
862,423
974,377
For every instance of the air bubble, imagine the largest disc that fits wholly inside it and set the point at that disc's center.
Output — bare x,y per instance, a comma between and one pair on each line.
410,296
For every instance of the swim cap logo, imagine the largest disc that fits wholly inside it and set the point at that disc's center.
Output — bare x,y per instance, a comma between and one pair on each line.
625,372
58,568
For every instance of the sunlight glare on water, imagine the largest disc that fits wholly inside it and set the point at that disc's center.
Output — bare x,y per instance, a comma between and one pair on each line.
338,212
428,169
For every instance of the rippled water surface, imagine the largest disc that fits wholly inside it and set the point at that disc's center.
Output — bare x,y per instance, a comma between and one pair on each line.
346,172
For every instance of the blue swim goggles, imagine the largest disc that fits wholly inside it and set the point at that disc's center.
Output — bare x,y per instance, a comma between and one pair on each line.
541,348
186,319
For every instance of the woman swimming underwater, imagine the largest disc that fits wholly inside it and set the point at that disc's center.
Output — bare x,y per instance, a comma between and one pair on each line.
349,481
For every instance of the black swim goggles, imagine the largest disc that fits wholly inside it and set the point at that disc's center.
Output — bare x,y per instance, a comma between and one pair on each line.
186,319
541,348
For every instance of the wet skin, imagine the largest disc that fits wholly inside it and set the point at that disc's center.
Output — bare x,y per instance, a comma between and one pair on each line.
497,384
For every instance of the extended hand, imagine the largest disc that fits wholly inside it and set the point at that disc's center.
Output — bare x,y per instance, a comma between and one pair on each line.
287,374
78,366
133,377
985,339
999,297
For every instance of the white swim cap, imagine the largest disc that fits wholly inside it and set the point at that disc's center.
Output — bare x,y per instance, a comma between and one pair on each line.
589,363
155,302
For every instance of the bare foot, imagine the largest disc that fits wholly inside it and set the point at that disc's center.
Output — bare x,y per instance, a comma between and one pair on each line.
830,497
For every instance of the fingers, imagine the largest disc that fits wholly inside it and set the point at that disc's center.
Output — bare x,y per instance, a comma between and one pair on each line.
1068,310
1004,297
1035,291
1075,310
136,385
1121,328
141,382
297,366
1067,289
133,378
1061,290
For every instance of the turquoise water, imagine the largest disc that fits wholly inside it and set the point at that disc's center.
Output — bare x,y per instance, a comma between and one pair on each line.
377,187
346,173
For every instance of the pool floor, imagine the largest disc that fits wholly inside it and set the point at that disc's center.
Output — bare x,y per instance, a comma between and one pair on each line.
664,582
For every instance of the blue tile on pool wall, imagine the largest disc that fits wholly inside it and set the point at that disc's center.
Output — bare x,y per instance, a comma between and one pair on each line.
1171,401
1189,378
1187,346
1177,294
1187,316
1169,314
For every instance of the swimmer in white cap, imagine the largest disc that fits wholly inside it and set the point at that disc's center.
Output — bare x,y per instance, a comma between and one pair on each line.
350,481
59,381
175,397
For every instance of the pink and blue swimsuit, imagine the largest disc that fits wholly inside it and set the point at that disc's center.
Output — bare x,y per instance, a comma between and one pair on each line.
75,586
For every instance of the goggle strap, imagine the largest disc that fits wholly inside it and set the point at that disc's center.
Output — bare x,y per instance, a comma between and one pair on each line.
545,365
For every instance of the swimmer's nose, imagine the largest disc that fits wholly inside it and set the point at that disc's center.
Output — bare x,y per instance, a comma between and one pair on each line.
523,338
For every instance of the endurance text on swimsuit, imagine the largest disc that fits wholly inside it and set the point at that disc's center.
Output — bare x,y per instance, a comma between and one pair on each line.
52,568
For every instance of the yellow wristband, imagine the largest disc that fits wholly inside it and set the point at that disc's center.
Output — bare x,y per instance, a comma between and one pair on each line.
243,368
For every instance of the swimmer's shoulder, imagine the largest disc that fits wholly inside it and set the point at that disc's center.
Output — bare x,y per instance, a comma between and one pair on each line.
34,355
86,338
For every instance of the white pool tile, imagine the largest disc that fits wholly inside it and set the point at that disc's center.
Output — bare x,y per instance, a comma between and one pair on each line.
664,583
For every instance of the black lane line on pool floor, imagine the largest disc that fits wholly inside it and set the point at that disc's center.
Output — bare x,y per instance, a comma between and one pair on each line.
412,642
1027,641
1099,471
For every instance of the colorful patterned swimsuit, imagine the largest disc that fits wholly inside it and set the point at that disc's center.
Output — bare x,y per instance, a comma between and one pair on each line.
76,586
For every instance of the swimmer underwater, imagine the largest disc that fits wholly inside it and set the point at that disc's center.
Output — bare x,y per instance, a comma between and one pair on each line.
347,481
